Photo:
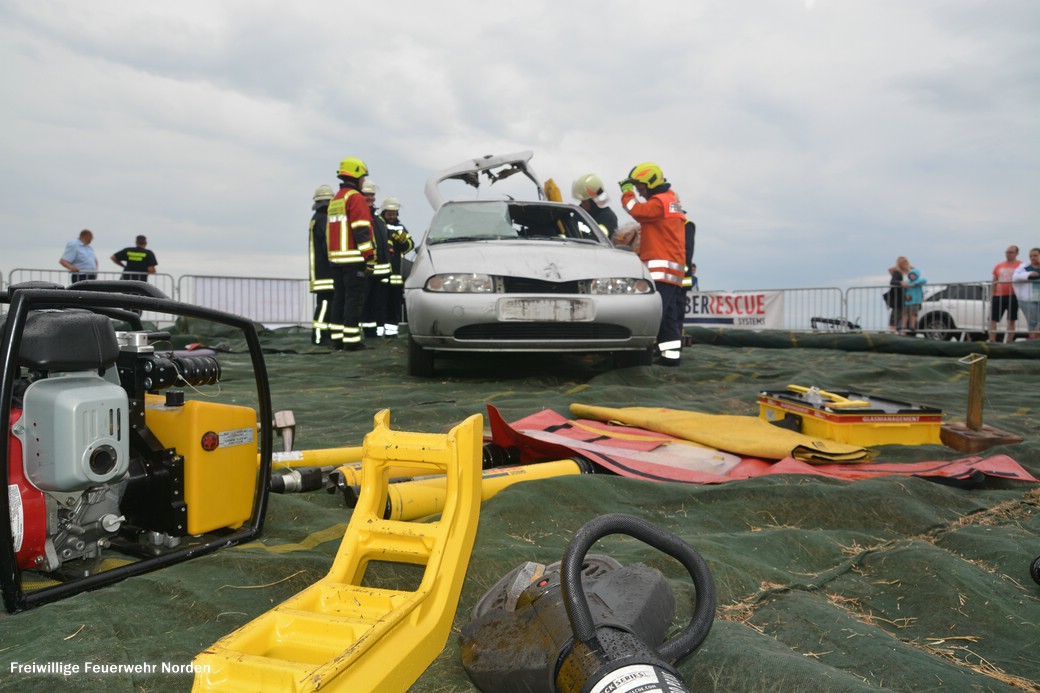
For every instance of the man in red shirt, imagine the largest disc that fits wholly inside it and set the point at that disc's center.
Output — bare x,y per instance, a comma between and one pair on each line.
1004,298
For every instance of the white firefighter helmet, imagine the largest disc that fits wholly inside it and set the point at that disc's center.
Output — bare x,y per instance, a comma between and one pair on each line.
590,187
323,192
391,204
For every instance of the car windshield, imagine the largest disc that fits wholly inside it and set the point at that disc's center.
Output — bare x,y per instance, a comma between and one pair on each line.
503,220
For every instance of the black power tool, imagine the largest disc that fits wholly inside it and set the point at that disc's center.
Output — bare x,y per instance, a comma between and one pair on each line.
587,624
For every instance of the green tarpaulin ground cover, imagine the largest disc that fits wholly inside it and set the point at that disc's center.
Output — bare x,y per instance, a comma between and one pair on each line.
892,584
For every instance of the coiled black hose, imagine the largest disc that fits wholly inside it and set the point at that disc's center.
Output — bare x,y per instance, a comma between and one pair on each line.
618,523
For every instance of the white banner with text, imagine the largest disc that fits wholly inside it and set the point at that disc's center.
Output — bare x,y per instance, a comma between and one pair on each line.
754,310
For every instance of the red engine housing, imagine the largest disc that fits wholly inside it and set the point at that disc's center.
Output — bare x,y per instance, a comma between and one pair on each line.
28,506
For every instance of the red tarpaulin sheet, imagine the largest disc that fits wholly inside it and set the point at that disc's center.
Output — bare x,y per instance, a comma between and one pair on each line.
617,450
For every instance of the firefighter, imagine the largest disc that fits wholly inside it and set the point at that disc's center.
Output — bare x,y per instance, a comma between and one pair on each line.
349,247
321,284
400,243
689,281
377,273
137,262
588,190
662,249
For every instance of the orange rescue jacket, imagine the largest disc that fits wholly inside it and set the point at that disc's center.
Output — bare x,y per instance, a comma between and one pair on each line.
662,246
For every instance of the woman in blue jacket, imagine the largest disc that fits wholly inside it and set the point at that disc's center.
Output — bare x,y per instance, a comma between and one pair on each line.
913,292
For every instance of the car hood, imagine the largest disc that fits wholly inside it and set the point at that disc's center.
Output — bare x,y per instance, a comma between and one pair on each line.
492,168
551,260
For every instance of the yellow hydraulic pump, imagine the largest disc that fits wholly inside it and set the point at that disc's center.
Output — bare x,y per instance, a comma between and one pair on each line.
337,635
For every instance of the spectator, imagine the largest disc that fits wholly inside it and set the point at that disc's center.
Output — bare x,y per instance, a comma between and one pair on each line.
914,285
79,259
1004,298
1027,290
895,297
137,261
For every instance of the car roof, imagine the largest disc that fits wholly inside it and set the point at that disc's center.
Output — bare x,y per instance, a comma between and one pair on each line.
490,167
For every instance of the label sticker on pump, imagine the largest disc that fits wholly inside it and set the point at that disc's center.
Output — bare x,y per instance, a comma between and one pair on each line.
241,436
14,503
639,678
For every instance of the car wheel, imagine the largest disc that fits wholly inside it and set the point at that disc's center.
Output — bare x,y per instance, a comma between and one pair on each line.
420,361
938,326
628,359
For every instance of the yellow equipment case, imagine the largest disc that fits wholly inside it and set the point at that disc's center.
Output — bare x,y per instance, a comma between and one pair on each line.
220,458
850,417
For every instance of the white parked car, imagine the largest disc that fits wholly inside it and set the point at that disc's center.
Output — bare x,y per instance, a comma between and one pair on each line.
961,311
523,276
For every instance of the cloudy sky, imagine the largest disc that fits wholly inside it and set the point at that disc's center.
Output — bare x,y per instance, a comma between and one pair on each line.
812,141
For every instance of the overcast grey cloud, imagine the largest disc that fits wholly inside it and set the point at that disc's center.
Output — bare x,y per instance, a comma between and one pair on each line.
812,141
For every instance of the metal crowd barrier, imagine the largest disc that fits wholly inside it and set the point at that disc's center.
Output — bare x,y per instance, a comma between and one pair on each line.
959,310
949,311
956,310
271,302
165,282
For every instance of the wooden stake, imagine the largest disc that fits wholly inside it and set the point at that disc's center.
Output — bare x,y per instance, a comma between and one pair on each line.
973,436
976,389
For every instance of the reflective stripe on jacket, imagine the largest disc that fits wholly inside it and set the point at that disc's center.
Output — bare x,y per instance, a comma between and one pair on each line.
400,243
349,236
379,263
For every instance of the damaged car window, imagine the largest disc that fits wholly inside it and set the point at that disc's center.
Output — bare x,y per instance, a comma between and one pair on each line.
511,220
471,222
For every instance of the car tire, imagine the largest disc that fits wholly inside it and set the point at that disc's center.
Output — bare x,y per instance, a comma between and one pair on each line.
420,361
629,359
937,326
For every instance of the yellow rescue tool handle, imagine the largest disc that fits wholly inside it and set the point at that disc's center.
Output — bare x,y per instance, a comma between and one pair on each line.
411,500
343,634
325,457
836,399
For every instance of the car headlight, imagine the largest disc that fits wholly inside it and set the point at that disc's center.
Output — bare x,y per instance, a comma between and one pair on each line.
621,285
461,283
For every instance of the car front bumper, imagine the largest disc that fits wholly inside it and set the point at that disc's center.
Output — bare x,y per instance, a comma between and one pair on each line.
532,322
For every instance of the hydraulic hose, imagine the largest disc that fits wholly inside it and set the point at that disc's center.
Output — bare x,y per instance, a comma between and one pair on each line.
574,596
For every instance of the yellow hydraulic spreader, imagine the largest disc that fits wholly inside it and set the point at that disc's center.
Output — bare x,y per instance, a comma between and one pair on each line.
338,635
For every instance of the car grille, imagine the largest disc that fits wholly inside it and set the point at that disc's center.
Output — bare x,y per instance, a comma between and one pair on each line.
526,285
547,331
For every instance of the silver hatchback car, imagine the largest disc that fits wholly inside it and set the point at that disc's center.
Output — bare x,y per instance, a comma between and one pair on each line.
534,276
